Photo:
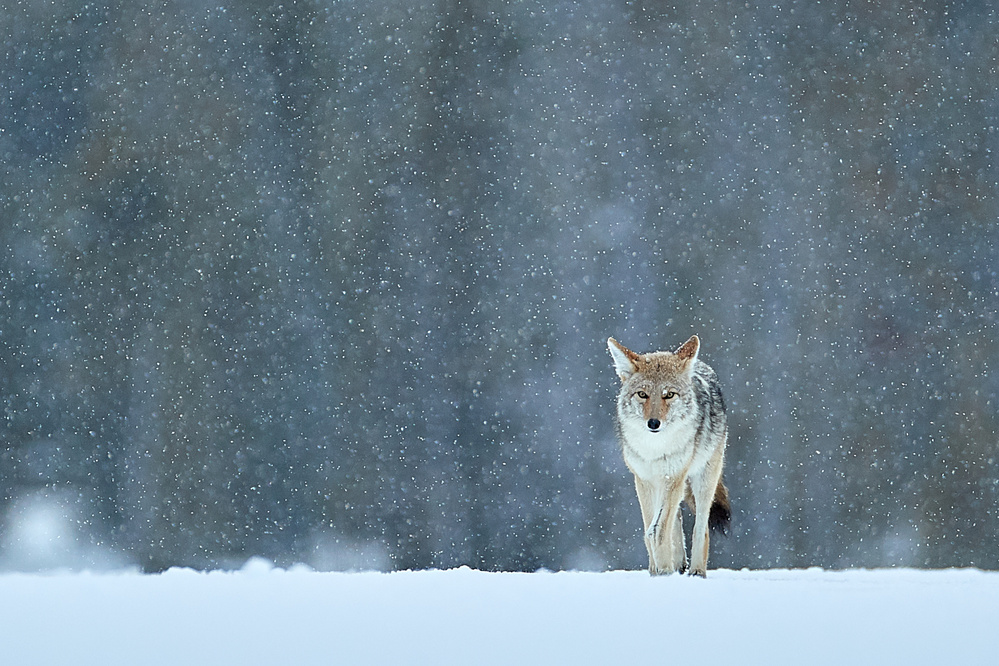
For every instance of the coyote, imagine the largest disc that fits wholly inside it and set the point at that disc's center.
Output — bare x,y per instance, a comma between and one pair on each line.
672,427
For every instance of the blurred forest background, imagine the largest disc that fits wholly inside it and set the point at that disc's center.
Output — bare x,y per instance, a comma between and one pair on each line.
330,282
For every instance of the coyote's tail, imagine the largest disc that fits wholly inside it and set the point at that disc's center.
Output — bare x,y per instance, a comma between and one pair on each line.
720,518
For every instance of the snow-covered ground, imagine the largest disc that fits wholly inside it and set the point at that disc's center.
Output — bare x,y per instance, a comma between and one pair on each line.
260,615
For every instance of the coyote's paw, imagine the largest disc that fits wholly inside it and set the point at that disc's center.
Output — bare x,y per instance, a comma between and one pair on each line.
656,570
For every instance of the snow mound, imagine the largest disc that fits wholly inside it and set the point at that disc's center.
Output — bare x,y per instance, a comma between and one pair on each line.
264,615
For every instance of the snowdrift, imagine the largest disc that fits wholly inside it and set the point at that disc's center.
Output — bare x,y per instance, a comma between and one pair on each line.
261,615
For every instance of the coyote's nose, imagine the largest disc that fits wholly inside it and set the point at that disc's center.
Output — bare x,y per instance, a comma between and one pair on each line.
654,424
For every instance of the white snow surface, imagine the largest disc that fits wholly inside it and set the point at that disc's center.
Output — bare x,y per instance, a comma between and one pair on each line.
262,615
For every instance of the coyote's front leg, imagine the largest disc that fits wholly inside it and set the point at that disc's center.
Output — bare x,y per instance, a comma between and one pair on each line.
650,499
672,552
704,485
660,503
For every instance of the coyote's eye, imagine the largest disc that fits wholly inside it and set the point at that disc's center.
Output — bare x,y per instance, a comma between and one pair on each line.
642,395
670,395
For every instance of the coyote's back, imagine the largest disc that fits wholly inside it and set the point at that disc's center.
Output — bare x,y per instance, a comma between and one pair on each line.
672,427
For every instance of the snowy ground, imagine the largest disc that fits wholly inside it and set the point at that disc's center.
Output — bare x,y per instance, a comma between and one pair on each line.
261,615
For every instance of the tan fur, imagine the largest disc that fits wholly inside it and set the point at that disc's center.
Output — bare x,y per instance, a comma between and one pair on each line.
672,427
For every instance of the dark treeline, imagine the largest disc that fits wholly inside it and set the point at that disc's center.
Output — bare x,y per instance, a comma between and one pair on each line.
330,282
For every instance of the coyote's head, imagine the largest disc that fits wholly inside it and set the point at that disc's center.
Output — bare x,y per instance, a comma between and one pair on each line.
656,388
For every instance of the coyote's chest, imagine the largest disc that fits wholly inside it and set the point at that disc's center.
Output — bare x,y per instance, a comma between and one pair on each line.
652,455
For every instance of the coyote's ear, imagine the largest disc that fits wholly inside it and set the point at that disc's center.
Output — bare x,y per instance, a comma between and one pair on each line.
688,350
624,359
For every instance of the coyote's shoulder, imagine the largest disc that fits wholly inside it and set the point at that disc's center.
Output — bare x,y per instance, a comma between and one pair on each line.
672,427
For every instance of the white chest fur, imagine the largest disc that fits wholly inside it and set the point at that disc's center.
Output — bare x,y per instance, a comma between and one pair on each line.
653,455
